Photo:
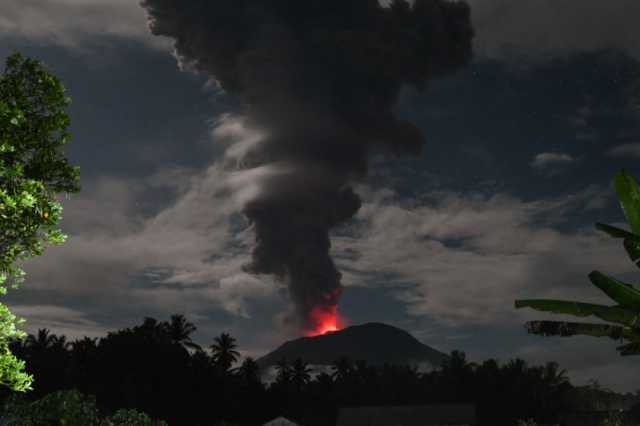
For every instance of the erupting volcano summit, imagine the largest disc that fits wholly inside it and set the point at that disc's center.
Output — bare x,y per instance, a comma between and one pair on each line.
318,81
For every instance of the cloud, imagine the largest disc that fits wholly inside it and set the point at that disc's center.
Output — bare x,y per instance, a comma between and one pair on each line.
547,159
625,150
503,27
74,23
185,258
65,321
462,259
549,27
551,163
538,29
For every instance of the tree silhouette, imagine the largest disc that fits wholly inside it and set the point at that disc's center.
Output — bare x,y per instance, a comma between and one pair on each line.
132,369
223,352
249,372
342,369
300,374
179,330
283,372
60,343
553,377
42,342
84,357
152,330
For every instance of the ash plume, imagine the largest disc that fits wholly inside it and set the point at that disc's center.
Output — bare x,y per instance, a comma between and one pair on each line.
319,79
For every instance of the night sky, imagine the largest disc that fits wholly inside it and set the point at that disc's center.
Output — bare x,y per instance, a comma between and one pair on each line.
521,147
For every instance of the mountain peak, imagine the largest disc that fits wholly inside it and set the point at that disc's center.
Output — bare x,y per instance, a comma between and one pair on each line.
374,342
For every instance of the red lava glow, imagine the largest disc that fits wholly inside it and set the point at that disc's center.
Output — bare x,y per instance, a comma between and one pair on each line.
325,320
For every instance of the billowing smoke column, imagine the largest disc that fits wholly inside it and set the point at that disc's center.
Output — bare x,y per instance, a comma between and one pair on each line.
319,78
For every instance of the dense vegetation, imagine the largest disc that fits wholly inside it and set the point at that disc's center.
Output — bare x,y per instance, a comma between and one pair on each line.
148,368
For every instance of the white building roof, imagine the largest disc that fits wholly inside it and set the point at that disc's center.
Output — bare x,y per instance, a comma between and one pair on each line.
280,421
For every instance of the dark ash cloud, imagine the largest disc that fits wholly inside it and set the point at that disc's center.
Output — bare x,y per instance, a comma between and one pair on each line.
318,80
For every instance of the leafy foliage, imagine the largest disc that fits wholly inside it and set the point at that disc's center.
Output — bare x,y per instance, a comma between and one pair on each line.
33,127
626,312
69,408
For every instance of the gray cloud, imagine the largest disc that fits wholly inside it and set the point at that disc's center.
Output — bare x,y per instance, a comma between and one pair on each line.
465,259
552,163
628,150
504,27
545,27
539,29
73,23
193,249
547,159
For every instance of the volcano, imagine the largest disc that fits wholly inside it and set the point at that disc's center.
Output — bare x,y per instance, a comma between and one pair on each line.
375,343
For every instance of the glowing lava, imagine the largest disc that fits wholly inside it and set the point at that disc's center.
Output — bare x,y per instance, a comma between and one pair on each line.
324,320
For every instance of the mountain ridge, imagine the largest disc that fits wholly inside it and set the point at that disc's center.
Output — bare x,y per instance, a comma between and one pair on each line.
376,343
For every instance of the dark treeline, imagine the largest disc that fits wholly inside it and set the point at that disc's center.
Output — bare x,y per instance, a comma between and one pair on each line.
149,368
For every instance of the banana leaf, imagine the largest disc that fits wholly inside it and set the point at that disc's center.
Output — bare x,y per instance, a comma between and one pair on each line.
564,329
633,249
631,241
624,294
617,232
628,192
615,314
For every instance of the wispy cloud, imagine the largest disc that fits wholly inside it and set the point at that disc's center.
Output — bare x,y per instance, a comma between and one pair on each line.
552,163
629,150
194,243
547,27
547,159
463,259
517,28
75,23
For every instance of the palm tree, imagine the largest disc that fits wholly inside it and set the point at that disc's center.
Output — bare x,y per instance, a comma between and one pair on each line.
85,345
223,352
200,359
283,369
552,377
179,330
457,365
342,369
626,311
152,329
60,343
43,341
516,367
83,353
249,371
324,381
300,374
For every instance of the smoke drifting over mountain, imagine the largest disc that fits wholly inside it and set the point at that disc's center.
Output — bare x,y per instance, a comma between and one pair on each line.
318,80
